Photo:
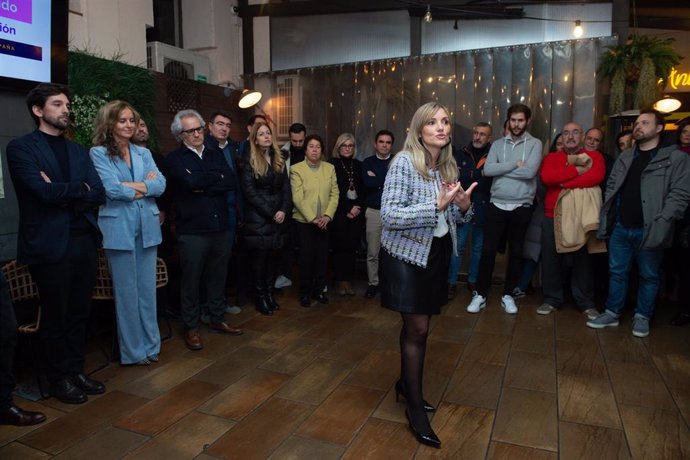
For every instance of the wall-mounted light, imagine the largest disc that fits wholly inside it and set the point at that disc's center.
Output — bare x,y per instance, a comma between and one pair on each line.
578,30
427,15
667,104
248,97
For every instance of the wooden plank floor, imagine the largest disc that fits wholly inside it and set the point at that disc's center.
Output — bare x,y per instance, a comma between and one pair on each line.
317,384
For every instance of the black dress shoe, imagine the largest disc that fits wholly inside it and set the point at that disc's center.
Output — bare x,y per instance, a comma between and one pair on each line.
680,319
305,302
88,385
400,391
371,291
13,415
67,392
321,298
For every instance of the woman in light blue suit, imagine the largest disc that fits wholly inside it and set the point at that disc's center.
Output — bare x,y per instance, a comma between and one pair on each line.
131,229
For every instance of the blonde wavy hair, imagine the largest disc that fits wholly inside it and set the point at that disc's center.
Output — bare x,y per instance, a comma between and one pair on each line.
257,161
340,141
421,157
105,121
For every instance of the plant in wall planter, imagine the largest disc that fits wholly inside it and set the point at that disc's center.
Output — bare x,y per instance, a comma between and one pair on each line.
638,70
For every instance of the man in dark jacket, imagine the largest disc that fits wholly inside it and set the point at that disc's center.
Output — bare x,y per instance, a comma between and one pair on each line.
647,191
58,191
471,161
200,179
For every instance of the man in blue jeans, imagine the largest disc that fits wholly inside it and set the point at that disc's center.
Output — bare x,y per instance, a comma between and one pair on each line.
648,189
470,162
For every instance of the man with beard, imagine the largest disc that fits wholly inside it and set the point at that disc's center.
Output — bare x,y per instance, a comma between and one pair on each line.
293,152
578,172
58,192
471,161
513,162
648,189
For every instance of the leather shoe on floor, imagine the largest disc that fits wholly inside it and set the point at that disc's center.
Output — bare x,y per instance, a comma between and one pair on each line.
225,328
321,298
66,391
88,385
13,415
193,340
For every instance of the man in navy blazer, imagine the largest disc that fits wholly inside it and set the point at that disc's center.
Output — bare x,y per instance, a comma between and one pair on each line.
58,192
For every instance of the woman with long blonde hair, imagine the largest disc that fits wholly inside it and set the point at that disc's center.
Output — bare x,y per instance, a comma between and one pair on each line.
422,200
266,190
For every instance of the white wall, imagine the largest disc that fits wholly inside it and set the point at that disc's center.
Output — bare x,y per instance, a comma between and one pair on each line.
111,27
211,28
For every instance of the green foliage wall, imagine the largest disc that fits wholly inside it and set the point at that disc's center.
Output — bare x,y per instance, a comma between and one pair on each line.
95,81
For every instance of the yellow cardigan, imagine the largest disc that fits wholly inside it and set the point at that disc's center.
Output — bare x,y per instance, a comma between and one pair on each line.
310,185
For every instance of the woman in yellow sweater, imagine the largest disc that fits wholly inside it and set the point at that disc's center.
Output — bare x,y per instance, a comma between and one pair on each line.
315,199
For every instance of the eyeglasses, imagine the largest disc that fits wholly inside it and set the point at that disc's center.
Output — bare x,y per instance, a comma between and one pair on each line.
348,146
192,131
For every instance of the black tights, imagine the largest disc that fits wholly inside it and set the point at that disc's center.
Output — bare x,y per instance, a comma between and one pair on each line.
412,350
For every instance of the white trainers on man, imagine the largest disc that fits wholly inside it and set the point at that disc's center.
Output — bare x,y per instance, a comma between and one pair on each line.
478,303
508,304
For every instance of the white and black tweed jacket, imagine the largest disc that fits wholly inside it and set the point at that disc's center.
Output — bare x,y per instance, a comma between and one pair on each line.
408,212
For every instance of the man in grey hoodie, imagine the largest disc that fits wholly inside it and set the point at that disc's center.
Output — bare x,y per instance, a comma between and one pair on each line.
513,162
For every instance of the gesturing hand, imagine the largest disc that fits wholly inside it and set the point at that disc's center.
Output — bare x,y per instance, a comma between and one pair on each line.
463,197
446,194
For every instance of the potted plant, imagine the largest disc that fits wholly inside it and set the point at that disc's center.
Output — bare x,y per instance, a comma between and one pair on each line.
638,70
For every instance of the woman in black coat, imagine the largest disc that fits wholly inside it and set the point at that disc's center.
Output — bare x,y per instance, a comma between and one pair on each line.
266,190
347,223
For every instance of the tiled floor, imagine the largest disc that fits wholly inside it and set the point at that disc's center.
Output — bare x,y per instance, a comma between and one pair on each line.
317,384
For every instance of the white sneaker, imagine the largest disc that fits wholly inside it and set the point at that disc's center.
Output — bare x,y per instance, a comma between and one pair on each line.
508,304
282,282
478,303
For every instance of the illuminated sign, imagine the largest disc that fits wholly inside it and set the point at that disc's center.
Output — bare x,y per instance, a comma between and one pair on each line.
679,80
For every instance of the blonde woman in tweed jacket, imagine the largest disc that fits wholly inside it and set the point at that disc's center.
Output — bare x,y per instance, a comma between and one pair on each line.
421,201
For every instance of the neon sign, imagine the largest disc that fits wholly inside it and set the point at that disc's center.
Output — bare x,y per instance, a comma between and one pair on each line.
679,79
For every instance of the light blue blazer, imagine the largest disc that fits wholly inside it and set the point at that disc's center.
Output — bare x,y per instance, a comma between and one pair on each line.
121,214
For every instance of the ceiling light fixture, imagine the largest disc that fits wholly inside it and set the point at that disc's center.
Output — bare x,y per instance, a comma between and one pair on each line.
667,104
578,31
427,15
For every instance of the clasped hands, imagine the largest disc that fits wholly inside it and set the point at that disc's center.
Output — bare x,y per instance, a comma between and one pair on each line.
581,161
454,193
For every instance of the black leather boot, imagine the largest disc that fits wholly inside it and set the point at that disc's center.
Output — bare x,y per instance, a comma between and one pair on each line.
261,302
270,300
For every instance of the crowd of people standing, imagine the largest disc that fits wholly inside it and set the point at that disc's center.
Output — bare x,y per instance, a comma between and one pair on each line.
242,208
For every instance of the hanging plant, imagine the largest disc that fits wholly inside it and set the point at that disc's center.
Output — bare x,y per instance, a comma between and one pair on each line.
642,64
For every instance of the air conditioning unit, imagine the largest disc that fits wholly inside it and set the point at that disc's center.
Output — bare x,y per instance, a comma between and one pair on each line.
177,62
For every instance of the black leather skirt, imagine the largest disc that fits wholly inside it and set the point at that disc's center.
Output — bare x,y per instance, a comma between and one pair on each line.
409,288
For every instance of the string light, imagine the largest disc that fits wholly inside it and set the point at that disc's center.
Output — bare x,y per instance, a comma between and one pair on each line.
427,15
578,31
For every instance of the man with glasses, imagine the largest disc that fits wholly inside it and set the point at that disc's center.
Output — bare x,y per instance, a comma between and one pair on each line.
201,179
219,138
576,172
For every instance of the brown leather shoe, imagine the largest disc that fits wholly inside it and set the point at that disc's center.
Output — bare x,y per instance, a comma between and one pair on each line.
13,415
224,328
193,340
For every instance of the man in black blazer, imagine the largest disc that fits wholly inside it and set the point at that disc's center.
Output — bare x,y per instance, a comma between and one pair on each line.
58,192
199,179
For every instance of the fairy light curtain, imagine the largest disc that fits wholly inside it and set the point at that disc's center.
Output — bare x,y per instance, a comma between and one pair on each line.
557,80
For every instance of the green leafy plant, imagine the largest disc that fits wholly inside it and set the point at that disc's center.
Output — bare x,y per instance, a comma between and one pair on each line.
94,81
638,70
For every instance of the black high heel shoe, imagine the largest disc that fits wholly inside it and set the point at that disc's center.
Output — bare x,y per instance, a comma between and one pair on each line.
400,392
430,438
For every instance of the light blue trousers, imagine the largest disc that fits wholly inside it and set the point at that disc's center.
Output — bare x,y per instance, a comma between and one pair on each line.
134,283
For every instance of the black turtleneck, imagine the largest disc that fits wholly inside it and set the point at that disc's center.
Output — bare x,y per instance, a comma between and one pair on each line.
59,147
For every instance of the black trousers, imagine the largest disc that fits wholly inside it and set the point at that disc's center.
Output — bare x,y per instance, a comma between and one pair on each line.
555,265
204,265
345,236
313,259
262,268
65,288
8,339
499,224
